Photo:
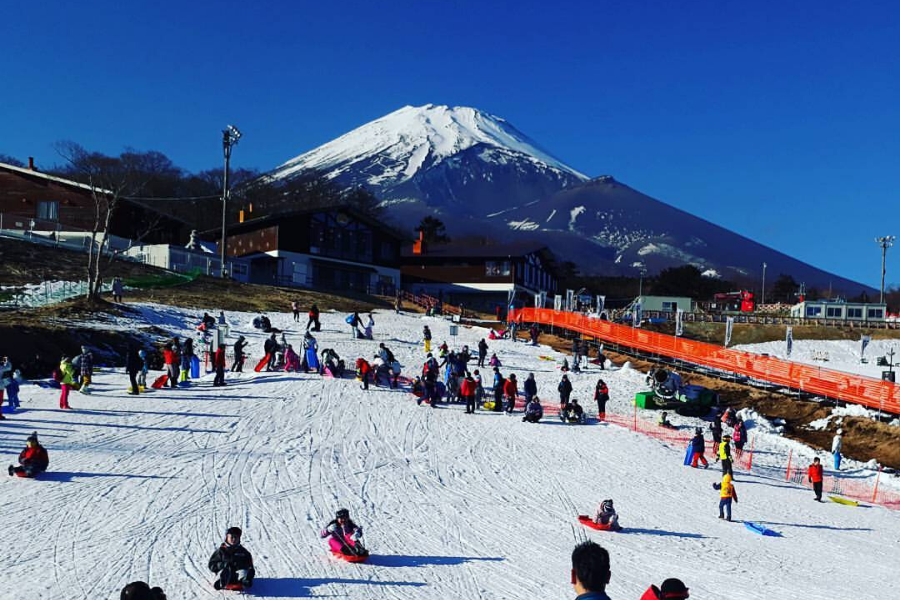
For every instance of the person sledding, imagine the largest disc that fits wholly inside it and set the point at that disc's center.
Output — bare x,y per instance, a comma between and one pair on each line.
534,412
232,563
33,460
573,413
606,515
344,536
698,447
664,421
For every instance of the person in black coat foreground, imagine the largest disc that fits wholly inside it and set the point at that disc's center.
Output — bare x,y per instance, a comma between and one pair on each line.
232,562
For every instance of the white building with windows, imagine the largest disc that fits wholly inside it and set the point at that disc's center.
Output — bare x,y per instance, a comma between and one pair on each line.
840,310
666,303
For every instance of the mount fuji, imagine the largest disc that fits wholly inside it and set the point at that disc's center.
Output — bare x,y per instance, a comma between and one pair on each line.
485,178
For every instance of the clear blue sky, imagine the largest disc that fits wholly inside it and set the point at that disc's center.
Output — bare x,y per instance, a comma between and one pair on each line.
778,120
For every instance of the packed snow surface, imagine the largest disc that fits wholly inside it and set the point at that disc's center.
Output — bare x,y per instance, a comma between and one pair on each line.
417,136
454,505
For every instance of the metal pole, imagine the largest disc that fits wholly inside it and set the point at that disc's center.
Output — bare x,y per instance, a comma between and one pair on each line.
885,242
764,284
226,147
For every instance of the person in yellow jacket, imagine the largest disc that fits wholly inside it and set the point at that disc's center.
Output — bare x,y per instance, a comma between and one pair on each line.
727,493
725,455
66,378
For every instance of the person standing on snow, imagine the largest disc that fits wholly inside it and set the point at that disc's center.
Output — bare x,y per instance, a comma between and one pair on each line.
727,493
499,383
601,397
239,346
270,347
142,375
232,563
698,446
171,368
725,455
133,364
426,337
815,477
117,288
534,332
66,381
716,429
370,324
576,353
87,369
467,391
482,352
510,390
565,392
295,308
219,366
314,319
739,436
530,388
176,362
187,354
837,443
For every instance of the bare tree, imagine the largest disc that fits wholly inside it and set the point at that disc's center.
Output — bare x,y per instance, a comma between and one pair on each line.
111,180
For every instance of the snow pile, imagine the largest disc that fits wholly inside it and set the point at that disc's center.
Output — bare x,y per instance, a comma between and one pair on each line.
757,422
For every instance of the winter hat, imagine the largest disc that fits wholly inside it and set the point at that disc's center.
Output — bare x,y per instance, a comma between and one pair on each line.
672,589
342,513
33,437
235,531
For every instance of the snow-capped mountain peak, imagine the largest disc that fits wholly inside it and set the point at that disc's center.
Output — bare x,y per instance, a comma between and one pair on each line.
395,148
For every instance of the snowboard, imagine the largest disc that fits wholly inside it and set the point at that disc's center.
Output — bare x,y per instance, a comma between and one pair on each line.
160,382
262,364
589,522
688,455
843,501
760,529
312,360
195,367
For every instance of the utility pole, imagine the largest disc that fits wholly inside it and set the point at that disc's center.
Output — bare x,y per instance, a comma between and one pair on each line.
764,284
643,271
885,242
230,137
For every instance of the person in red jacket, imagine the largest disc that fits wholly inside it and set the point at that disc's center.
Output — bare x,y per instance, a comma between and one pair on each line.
510,390
363,368
815,477
171,359
468,389
33,460
219,365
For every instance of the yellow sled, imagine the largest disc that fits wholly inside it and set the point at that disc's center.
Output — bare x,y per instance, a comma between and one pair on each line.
843,501
488,405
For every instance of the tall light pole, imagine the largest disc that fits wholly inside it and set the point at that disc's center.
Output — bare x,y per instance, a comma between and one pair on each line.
230,137
764,284
643,272
885,242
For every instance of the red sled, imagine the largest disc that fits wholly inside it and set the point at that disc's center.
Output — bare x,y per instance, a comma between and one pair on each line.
160,382
259,367
589,522
234,587
353,558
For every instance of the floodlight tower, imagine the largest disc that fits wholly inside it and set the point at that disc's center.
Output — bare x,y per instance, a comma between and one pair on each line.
885,242
230,137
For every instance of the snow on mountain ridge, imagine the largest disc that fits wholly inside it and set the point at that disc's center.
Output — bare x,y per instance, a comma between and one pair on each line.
411,139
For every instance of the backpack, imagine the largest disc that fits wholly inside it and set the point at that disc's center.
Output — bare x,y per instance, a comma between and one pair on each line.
349,320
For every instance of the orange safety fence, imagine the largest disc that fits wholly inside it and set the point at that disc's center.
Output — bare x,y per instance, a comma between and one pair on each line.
855,389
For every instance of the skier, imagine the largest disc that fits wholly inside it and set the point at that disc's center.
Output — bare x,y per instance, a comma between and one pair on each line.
601,397
499,383
725,455
133,365
482,352
467,391
232,563
270,347
606,515
698,446
314,318
565,391
837,444
726,495
87,369
530,388
510,390
219,365
815,477
426,337
33,460
239,346
66,379
344,536
534,412
739,437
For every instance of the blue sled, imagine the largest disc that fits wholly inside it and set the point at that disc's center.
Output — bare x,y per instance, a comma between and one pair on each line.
757,528
688,455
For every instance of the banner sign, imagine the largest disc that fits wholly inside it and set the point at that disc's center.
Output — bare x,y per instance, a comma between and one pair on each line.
679,322
557,302
729,326
636,314
789,341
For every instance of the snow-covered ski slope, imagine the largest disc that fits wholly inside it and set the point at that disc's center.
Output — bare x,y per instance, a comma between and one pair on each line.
454,505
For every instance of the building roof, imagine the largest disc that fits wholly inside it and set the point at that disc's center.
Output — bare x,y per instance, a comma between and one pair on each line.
53,178
276,218
462,250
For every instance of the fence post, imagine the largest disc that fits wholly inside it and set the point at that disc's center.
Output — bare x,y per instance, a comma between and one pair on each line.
875,490
635,416
787,473
750,462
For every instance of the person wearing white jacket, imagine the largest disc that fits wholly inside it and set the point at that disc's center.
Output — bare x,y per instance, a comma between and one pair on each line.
836,445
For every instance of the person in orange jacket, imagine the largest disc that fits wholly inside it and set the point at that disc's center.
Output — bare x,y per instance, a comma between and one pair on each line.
727,493
219,365
510,390
815,477
363,368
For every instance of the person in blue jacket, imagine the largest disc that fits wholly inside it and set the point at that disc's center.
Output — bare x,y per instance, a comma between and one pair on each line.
534,412
529,388
499,381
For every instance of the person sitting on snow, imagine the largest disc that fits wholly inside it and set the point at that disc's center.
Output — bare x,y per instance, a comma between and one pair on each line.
534,412
232,562
291,360
332,362
33,460
494,362
573,413
664,421
606,515
344,536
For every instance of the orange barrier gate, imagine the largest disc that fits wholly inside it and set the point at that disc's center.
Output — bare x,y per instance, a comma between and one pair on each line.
856,389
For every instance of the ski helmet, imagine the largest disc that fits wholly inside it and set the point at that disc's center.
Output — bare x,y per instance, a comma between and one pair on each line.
342,514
